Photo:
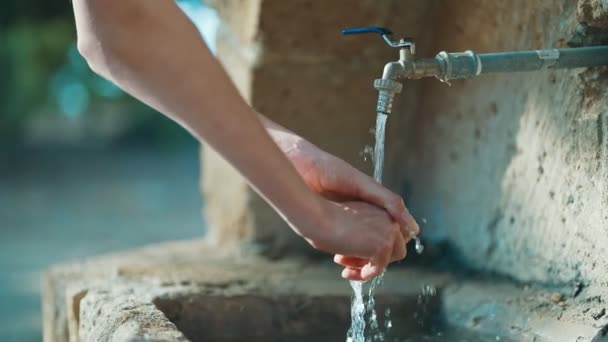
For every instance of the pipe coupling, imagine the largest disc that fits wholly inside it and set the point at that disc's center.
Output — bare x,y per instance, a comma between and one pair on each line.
458,65
387,89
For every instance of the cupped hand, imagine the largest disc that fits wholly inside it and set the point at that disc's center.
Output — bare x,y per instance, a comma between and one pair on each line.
335,179
364,232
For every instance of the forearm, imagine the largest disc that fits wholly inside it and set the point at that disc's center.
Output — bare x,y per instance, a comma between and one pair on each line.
287,140
151,50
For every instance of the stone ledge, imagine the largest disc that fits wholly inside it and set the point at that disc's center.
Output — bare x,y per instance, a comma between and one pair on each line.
143,294
525,314
112,297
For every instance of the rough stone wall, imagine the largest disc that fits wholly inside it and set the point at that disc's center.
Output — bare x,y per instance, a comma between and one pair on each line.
290,62
509,169
512,169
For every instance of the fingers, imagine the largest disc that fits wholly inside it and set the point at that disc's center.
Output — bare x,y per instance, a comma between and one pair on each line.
367,271
350,183
369,190
377,264
371,271
352,274
406,233
350,262
362,269
361,274
399,249
411,223
354,267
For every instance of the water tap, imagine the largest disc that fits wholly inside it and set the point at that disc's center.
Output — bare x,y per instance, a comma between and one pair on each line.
447,66
406,67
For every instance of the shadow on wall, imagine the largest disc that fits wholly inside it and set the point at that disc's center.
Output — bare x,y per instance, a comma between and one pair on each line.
506,168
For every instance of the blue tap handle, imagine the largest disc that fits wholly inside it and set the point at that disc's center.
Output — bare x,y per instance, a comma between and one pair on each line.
372,29
385,33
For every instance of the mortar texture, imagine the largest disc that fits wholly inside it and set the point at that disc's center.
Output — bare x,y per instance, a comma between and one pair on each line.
512,169
290,62
165,291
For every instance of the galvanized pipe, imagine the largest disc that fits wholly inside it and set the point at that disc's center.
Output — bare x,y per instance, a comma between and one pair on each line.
468,64
448,66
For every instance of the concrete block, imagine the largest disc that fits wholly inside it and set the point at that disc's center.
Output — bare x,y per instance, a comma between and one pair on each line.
161,292
510,169
189,290
503,311
292,64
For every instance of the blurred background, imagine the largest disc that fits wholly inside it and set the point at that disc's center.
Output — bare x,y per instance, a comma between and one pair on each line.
84,168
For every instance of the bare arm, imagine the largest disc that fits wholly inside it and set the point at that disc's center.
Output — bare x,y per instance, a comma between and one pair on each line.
328,174
152,51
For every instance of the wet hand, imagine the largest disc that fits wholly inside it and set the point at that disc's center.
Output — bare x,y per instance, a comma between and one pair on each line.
363,236
335,179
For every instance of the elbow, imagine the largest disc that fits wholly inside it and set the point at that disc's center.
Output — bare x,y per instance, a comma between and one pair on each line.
104,53
90,48
99,50
100,26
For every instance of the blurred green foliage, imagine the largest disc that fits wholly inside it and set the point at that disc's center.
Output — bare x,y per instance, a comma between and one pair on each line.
28,57
41,73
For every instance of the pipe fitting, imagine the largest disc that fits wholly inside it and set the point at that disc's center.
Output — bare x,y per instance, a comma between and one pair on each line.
458,65
387,89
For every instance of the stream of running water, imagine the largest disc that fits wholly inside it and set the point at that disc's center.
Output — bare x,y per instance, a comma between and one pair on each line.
359,306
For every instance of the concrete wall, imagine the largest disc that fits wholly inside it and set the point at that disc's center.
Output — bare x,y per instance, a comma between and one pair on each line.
512,169
291,63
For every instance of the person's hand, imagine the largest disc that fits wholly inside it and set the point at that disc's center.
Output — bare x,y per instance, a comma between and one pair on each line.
335,179
363,231
338,181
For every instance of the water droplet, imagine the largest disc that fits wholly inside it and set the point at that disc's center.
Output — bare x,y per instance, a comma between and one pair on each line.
428,290
423,220
419,246
367,153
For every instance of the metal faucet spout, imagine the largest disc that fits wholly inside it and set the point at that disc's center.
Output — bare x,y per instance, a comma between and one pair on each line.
393,70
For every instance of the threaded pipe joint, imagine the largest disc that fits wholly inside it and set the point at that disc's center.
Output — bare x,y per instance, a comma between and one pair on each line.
386,94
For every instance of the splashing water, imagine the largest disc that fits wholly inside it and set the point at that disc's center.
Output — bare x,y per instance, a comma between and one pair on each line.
357,314
419,246
359,307
368,152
